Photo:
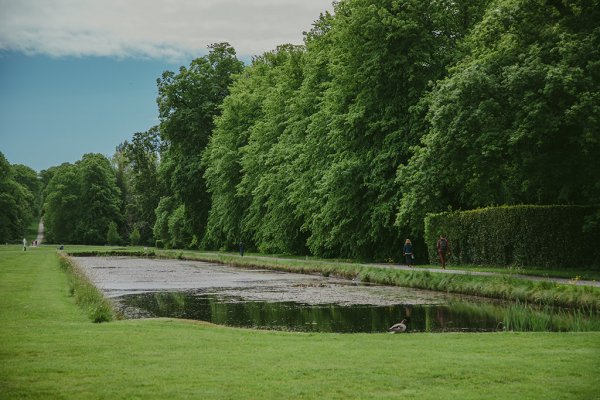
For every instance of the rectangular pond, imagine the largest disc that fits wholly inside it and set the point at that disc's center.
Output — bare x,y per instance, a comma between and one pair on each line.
256,298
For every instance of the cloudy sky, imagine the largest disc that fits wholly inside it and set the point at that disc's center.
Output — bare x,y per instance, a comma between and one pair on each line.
79,76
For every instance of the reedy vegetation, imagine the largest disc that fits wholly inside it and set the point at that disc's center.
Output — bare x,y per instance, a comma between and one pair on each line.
391,110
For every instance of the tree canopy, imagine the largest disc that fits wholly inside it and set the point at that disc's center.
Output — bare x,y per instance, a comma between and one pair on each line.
390,110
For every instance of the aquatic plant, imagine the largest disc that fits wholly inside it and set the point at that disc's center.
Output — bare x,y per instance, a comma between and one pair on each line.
524,317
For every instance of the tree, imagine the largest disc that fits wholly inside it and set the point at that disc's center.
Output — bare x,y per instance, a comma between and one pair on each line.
62,205
145,188
112,236
28,178
516,120
188,102
99,198
382,56
15,203
134,237
268,220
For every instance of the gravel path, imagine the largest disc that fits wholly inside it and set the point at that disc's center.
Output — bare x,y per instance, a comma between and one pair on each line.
447,271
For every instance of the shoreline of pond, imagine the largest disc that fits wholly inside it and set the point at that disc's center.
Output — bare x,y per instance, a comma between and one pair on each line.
175,288
502,287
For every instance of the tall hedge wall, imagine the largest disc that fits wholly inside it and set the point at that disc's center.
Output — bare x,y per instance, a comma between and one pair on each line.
534,236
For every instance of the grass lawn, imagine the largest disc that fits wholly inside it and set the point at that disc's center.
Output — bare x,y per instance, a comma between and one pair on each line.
49,349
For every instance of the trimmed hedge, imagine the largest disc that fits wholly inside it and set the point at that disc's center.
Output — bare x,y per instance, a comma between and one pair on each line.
533,236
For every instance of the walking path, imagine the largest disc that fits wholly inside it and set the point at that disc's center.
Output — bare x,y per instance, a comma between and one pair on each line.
443,271
464,272
40,236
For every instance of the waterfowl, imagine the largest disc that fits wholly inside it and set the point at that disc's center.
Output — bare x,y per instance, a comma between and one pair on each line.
399,327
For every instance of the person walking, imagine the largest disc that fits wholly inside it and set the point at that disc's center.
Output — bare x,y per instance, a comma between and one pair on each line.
443,249
241,248
409,257
24,244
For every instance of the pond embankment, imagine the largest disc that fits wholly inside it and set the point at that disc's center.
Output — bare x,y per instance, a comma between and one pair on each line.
259,297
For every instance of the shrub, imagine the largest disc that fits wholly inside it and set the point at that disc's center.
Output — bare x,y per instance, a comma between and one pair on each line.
159,244
134,237
535,236
112,236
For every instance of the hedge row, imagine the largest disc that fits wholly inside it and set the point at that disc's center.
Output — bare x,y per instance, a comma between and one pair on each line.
532,236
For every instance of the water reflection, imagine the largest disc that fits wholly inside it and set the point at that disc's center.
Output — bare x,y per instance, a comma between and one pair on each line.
315,318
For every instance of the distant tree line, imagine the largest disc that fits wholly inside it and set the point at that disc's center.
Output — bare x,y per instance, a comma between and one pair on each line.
19,199
389,111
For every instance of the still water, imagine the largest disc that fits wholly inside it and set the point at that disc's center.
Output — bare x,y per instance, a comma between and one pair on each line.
291,316
264,299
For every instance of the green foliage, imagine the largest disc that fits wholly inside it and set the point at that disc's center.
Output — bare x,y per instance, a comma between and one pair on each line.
99,199
516,120
143,183
382,56
180,233
112,236
306,149
81,200
188,103
134,237
540,236
17,201
28,178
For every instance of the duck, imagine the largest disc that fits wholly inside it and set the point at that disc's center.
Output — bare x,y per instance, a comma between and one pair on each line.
399,327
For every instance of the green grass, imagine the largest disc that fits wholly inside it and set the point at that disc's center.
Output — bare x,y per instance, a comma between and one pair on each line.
50,349
86,295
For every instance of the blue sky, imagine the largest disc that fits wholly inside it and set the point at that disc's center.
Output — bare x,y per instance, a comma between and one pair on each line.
80,77
54,110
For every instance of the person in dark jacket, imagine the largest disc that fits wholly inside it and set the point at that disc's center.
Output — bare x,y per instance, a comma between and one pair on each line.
409,257
241,248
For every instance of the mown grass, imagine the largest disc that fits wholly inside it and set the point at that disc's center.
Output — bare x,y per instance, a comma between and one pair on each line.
86,295
507,287
50,349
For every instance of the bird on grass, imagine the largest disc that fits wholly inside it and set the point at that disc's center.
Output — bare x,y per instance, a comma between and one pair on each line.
399,327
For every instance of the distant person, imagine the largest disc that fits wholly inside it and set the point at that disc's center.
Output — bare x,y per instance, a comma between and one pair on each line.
24,244
443,249
409,257
241,248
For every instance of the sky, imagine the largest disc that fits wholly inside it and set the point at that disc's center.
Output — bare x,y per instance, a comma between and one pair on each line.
79,76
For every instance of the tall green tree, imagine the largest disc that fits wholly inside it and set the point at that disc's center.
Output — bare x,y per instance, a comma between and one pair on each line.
223,158
100,199
81,201
383,55
142,157
62,205
269,217
517,119
29,178
188,102
16,202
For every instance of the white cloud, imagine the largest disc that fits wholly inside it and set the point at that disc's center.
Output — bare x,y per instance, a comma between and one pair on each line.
152,28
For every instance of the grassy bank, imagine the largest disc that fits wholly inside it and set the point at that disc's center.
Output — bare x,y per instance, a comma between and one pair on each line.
50,349
86,295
